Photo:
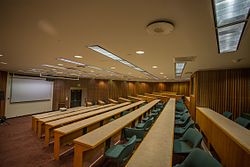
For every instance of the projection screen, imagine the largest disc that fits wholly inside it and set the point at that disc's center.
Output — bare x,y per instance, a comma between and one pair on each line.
27,90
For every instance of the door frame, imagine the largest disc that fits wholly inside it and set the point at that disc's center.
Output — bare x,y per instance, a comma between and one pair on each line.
82,100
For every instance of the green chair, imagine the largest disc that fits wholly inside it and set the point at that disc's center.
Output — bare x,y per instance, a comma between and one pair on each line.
180,101
125,113
228,114
158,110
179,131
190,140
120,153
180,107
184,119
160,105
243,122
199,158
178,115
130,132
151,115
145,125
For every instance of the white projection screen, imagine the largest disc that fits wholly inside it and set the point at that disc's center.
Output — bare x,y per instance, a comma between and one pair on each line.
27,90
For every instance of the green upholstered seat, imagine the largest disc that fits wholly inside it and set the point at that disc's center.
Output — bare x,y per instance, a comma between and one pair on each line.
160,105
178,115
180,101
184,119
228,114
158,110
190,140
130,132
199,158
120,153
145,125
151,115
243,122
180,107
125,113
181,130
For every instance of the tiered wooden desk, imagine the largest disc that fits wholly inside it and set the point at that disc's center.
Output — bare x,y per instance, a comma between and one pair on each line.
147,98
50,126
69,132
229,140
156,149
163,98
42,121
53,113
91,147
170,95
113,101
133,98
101,102
187,102
121,99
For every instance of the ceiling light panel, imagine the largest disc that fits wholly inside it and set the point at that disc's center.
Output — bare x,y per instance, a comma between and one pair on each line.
179,67
116,58
231,11
229,37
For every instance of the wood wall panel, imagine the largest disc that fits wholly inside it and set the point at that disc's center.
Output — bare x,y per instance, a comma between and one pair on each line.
224,90
182,88
104,89
3,84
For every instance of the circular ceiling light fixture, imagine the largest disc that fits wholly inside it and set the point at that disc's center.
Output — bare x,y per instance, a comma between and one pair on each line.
139,52
160,28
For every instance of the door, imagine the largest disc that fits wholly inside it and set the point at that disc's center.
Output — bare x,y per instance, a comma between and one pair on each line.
76,98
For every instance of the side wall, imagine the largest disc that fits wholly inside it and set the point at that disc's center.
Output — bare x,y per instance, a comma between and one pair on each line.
224,90
3,83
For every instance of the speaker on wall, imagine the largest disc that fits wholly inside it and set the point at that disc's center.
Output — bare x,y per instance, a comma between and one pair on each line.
2,95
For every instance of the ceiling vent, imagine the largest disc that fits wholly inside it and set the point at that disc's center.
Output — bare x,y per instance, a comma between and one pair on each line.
160,28
184,59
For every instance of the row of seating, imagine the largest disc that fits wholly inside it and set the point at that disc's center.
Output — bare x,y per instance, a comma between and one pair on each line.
239,120
188,140
120,153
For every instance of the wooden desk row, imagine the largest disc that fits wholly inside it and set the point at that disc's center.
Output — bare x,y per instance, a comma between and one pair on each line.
230,141
121,99
113,101
53,113
69,132
147,98
133,98
50,126
187,102
163,98
41,122
156,148
91,146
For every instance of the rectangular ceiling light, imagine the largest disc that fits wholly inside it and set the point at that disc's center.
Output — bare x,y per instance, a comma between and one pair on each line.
231,11
229,37
230,19
117,58
70,61
179,67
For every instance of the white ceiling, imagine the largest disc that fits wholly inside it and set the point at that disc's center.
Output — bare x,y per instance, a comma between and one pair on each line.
38,32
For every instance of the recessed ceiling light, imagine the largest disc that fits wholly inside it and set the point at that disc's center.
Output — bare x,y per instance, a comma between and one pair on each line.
1,55
112,68
77,56
60,64
3,63
161,73
92,71
139,52
154,67
165,76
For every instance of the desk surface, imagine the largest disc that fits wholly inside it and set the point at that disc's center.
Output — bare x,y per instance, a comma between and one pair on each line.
188,98
54,113
85,110
236,132
98,136
144,96
113,101
156,95
85,115
156,148
78,125
135,98
124,99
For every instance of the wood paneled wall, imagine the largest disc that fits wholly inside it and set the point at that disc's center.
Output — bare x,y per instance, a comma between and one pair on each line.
3,83
224,90
103,89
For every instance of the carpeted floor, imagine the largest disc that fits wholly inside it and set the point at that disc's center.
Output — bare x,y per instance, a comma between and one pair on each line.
20,147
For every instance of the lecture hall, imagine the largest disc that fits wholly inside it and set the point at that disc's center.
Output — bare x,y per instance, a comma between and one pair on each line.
135,83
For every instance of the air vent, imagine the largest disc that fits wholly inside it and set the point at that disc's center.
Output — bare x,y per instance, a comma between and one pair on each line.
160,28
184,59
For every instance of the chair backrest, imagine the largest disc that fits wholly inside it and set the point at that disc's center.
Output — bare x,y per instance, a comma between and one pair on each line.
127,151
228,114
192,136
148,123
184,117
198,158
180,106
243,122
189,124
130,132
